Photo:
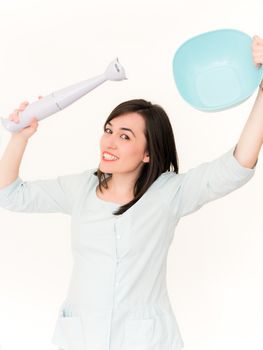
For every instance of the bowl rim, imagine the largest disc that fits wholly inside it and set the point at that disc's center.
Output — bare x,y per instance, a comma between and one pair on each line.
207,33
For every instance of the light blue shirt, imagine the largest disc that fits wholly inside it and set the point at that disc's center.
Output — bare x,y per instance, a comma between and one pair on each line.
117,297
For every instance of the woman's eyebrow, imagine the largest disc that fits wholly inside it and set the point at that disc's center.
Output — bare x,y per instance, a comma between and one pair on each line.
127,129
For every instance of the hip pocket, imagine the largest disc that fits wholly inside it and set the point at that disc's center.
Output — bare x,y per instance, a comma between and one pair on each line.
138,333
73,333
68,334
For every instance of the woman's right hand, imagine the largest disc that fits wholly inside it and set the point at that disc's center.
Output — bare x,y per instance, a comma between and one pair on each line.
28,131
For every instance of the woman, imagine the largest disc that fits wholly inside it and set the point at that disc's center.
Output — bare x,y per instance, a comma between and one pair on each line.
124,214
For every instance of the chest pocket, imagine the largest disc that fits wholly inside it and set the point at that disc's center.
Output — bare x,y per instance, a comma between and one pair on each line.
138,333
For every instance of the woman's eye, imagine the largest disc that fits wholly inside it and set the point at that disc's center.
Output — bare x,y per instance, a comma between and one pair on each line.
126,137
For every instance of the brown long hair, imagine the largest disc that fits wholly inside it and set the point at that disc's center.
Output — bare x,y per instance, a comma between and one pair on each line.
160,145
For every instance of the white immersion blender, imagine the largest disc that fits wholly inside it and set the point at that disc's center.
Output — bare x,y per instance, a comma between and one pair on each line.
60,99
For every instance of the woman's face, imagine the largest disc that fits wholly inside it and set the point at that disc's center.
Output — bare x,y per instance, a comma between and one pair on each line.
129,146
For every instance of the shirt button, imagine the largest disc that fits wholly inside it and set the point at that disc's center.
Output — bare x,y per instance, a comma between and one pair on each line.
117,283
118,236
118,260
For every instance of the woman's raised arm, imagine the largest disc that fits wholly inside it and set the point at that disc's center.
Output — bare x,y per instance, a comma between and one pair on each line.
39,196
12,157
251,138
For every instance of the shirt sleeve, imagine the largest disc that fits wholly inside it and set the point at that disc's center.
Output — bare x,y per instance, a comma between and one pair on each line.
44,196
210,181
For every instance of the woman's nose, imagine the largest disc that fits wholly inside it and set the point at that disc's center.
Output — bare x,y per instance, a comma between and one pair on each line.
111,146
112,142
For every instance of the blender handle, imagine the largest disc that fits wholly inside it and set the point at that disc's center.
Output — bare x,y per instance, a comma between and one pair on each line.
60,99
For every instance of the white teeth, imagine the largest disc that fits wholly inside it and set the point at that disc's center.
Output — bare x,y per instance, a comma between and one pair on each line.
107,156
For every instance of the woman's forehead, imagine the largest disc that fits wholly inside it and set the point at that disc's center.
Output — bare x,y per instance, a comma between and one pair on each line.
131,120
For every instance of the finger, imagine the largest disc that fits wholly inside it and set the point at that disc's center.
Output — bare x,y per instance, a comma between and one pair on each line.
257,50
34,120
21,109
256,38
13,117
257,42
31,124
34,123
258,59
15,112
40,97
24,103
258,63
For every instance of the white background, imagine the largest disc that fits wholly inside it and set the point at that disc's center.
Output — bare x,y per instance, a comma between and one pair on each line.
215,264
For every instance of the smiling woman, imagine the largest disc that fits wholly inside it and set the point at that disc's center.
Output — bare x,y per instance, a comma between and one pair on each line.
118,297
134,159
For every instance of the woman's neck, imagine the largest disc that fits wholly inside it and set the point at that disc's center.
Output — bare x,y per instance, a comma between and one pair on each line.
120,186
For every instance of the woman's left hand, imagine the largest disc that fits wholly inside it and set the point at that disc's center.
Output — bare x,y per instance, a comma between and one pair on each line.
257,50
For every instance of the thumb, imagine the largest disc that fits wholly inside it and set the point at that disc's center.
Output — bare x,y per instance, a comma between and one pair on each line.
256,41
33,121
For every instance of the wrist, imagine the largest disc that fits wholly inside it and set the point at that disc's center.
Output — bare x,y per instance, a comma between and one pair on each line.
18,138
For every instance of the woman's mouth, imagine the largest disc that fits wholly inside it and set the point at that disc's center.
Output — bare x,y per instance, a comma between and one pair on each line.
108,157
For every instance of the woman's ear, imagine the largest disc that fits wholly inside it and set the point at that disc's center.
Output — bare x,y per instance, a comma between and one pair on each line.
146,158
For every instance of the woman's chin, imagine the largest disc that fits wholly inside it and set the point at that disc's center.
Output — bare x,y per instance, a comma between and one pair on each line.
105,168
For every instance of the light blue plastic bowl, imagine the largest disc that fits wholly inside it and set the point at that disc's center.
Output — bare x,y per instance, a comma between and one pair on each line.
214,71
